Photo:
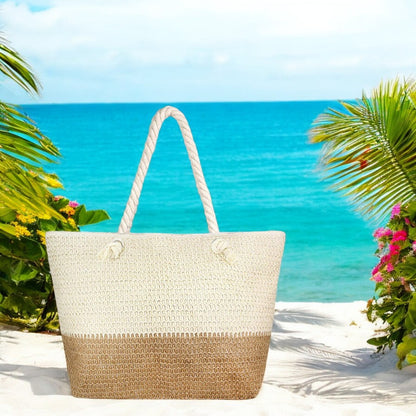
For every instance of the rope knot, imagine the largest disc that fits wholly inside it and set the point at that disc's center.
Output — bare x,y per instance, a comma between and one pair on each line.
222,248
111,251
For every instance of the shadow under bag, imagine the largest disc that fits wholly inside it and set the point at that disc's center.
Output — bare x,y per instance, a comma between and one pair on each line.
166,316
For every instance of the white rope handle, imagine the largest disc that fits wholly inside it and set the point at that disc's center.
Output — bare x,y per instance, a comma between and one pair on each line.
149,148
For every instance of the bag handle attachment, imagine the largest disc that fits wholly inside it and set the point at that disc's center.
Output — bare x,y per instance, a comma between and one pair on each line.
149,147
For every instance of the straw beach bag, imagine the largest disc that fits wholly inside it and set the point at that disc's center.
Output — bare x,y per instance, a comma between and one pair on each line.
166,315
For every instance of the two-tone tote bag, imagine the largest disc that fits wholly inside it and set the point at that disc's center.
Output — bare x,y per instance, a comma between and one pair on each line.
166,316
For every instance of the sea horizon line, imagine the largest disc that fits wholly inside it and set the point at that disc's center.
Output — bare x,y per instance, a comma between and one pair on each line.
187,102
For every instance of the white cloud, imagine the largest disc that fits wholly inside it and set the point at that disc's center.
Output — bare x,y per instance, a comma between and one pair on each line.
159,50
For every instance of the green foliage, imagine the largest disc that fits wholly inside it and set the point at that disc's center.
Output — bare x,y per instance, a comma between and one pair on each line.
26,293
369,148
23,182
28,209
84,217
15,67
395,277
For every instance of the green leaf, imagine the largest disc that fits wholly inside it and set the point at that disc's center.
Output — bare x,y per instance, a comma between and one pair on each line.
15,269
7,214
21,272
48,225
405,347
59,203
378,341
18,306
29,249
411,357
15,67
7,230
410,321
83,217
412,233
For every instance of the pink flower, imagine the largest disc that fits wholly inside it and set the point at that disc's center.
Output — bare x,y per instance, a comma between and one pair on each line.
380,245
395,210
377,278
414,246
403,280
407,221
394,249
390,267
378,233
57,197
385,258
375,270
73,204
382,232
400,235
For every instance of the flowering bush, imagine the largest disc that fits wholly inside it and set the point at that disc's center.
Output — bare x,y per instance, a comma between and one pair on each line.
26,293
395,278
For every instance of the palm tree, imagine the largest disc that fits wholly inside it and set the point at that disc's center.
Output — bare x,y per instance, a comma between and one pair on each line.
369,148
23,182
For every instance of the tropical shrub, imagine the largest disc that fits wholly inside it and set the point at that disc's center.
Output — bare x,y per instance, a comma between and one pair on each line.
368,152
395,278
26,293
28,208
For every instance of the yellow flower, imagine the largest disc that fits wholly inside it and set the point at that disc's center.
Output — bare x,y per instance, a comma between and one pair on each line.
68,210
41,235
44,216
72,223
20,230
26,219
53,183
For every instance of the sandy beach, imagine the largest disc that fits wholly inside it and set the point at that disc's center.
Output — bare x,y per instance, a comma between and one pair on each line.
318,364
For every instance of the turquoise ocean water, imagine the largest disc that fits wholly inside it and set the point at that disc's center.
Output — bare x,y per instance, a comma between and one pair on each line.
258,165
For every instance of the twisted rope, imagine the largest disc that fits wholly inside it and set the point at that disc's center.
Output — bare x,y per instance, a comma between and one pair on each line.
149,148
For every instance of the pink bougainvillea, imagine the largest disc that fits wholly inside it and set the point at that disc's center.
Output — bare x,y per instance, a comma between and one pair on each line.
400,235
382,232
395,277
394,249
377,277
395,211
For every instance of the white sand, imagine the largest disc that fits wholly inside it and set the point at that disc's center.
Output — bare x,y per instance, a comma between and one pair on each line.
319,364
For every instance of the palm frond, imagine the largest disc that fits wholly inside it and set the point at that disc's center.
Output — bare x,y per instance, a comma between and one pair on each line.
24,185
16,68
23,190
369,149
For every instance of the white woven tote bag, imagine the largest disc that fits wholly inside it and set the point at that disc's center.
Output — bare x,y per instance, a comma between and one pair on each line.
165,315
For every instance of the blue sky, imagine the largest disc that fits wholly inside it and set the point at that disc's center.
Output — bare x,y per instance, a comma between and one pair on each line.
216,50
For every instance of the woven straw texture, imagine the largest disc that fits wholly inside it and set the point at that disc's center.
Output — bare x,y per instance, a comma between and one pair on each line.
167,367
166,315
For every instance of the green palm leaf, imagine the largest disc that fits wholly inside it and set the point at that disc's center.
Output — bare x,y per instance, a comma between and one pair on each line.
23,182
14,67
369,148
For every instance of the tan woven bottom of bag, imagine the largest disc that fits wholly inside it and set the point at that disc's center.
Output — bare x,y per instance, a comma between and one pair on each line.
166,366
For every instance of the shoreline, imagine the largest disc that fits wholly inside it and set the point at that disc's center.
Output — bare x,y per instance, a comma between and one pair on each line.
318,361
